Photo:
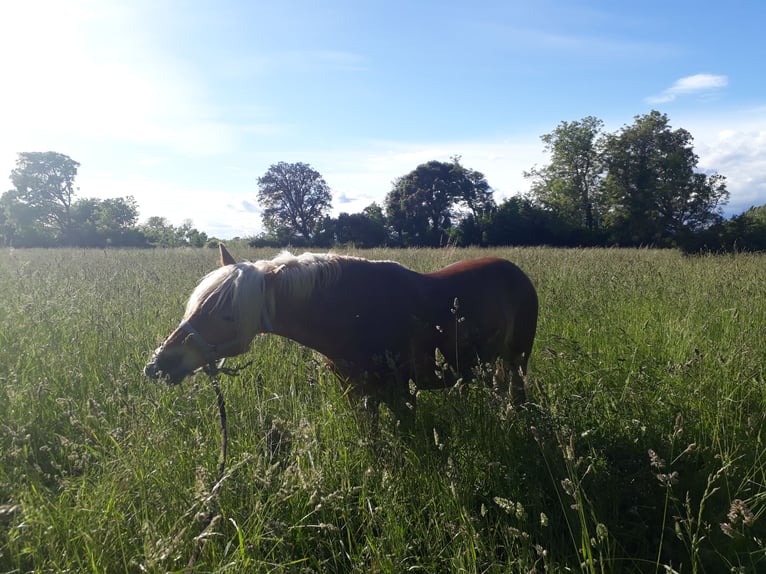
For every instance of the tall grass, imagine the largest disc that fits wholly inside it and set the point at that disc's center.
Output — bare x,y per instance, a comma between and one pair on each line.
642,449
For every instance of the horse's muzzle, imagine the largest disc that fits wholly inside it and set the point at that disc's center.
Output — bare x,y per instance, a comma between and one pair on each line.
159,367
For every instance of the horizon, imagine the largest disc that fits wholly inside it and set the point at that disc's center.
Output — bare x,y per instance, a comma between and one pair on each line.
184,105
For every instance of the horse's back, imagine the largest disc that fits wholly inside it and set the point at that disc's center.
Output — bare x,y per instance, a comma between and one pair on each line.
485,267
386,317
488,305
486,284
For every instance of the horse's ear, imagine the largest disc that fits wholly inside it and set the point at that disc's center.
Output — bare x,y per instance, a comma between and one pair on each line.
226,258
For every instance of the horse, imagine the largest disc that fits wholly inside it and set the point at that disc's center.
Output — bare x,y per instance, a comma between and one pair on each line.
380,325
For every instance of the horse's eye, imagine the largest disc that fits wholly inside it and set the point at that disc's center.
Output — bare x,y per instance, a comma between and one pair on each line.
228,318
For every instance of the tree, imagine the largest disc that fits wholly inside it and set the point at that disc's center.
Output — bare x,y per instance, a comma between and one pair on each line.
746,231
21,223
160,232
374,212
100,222
189,235
86,228
295,198
657,194
424,204
117,213
43,193
570,185
520,221
359,229
474,198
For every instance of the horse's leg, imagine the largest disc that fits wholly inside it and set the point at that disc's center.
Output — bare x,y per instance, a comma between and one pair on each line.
402,404
361,402
371,410
365,395
515,368
519,379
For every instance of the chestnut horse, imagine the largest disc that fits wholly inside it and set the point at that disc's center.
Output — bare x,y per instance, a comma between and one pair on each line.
379,323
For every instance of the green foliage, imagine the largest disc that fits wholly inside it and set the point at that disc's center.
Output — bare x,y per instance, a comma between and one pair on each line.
570,185
655,193
41,211
358,229
295,199
743,232
424,204
518,221
159,232
102,222
639,186
642,449
42,195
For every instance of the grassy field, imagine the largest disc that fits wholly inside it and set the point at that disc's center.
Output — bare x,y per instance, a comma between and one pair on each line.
642,449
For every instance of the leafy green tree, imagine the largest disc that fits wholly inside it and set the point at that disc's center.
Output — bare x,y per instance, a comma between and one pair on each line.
160,232
359,229
757,215
570,185
85,223
22,224
424,204
657,195
474,198
117,213
743,232
295,200
470,231
100,222
520,221
4,226
188,235
374,212
746,231
41,209
43,194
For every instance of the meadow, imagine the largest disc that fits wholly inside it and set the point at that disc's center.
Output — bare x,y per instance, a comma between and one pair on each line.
641,449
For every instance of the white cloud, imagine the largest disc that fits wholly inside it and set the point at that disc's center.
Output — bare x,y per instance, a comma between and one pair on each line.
740,155
698,83
733,144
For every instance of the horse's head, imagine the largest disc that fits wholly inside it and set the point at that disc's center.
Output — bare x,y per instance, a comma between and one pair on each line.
211,329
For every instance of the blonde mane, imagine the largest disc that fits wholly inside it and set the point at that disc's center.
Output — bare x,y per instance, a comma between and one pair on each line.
298,275
243,287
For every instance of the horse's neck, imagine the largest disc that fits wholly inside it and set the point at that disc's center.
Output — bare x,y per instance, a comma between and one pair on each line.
308,324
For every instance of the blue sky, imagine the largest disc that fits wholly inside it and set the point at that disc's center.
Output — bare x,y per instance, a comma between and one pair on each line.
185,103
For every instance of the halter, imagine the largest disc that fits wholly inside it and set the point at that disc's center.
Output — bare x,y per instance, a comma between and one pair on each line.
196,336
216,350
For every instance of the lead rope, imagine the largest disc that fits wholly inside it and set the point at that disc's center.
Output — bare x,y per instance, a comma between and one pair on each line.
213,515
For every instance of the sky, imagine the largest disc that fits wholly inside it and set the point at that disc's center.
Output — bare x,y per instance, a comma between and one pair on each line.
184,104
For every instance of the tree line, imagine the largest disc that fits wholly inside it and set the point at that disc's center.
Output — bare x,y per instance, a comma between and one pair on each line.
42,210
638,186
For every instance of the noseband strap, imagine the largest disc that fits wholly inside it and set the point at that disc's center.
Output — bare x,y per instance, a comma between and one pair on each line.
216,350
196,336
